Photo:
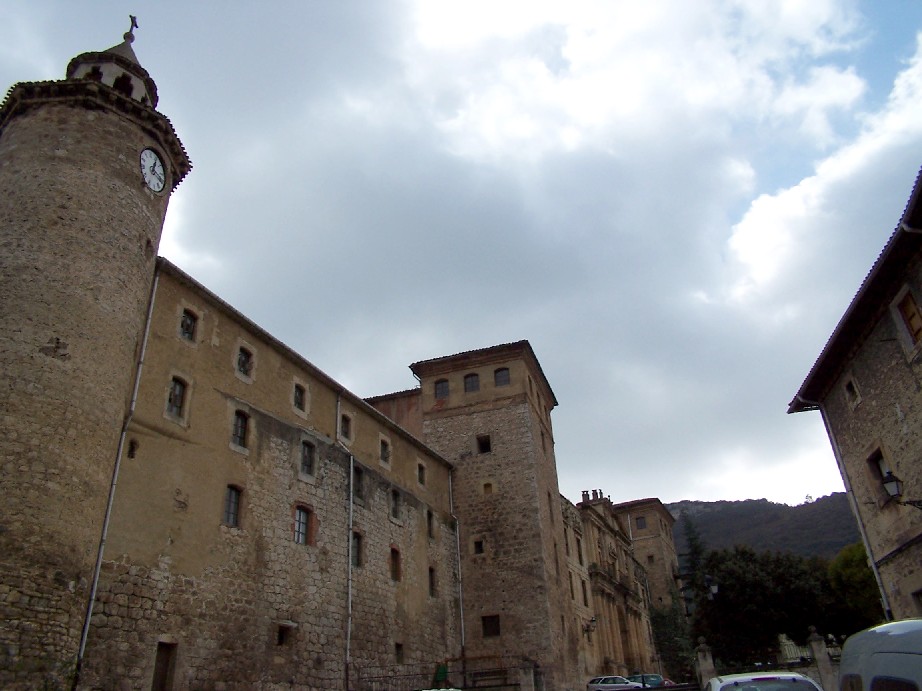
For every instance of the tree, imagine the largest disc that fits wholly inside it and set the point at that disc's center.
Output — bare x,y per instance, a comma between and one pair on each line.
854,589
672,637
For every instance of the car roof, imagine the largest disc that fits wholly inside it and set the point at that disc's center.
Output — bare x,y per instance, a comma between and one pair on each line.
894,637
776,674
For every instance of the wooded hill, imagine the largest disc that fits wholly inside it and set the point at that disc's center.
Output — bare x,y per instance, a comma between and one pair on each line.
816,529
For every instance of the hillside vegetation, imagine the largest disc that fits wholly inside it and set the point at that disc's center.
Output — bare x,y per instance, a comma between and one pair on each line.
820,528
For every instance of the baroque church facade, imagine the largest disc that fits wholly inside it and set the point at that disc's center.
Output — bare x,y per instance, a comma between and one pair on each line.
189,503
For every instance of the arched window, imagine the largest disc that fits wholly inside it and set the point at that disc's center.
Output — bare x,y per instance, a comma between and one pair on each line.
501,377
471,382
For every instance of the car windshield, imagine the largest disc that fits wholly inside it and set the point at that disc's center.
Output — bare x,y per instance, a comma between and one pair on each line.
769,684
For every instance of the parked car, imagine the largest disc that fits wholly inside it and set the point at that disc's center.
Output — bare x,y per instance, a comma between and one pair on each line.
611,683
887,655
763,681
648,679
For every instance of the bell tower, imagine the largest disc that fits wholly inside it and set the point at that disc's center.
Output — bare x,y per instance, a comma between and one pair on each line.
87,166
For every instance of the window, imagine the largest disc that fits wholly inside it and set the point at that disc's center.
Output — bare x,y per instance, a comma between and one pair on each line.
478,546
912,319
421,473
177,397
398,653
307,457
570,577
432,584
490,625
395,504
358,482
284,634
430,523
232,506
244,362
483,443
579,551
298,397
852,395
345,426
357,559
164,666
501,377
187,323
303,520
384,452
239,433
441,389
471,383
641,522
488,488
585,593
395,564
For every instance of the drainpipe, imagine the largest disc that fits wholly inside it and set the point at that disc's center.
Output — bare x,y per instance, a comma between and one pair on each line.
849,492
451,508
348,541
94,586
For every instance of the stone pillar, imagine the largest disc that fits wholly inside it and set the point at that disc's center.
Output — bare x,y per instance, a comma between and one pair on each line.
829,677
704,664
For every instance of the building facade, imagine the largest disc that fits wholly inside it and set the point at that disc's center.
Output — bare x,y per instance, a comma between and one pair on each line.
866,385
189,503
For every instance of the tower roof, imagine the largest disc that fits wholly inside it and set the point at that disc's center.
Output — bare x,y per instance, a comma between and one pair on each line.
117,67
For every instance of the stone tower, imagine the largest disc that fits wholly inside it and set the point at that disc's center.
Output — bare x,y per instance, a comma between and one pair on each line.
87,166
489,412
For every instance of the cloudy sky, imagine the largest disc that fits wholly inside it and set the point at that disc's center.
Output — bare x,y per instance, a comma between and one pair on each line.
673,201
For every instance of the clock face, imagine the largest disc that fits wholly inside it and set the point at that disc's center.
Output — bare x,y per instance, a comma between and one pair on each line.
152,170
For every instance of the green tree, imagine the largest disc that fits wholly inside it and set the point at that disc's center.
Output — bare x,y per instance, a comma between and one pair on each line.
672,637
854,590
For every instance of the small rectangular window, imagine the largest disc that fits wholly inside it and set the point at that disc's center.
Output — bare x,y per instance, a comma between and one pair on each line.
244,361
421,473
239,432
345,426
641,523
398,653
298,397
483,444
302,525
430,523
187,323
395,504
232,506
441,389
432,584
579,551
176,397
490,625
478,546
307,457
384,452
501,377
358,481
585,593
395,564
471,383
357,559
912,319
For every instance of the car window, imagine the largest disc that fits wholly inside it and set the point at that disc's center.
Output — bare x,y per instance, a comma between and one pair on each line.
892,684
770,685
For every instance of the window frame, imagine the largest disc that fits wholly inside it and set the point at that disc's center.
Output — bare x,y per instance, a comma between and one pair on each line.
490,626
303,528
174,410
233,503
471,382
441,389
395,564
501,376
188,316
245,362
308,449
240,429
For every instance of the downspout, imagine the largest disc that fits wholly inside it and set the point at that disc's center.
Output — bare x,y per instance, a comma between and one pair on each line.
94,586
451,508
850,493
348,542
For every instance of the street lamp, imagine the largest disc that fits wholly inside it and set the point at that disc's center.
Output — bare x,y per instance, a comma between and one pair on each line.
894,487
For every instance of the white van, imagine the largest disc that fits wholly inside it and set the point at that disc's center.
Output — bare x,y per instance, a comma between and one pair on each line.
884,658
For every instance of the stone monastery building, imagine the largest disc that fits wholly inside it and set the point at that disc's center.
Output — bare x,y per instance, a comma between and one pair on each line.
188,503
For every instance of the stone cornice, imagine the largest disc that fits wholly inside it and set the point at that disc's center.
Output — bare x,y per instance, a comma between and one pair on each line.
92,95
